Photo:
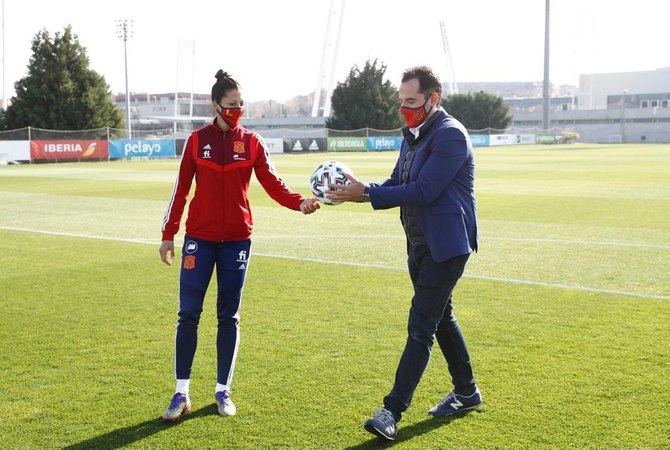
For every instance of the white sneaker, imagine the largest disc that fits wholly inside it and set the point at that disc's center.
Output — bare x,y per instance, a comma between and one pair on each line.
224,404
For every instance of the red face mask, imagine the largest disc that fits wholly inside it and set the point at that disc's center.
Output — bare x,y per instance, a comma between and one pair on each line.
231,116
414,116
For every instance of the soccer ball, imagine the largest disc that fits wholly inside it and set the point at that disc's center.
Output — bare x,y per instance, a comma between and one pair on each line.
330,172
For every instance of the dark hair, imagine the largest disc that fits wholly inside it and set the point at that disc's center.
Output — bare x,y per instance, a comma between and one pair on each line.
428,81
224,83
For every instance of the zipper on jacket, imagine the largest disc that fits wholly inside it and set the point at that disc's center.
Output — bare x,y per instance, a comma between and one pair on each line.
223,176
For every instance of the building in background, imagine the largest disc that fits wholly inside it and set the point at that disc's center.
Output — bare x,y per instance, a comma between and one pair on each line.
504,89
148,110
613,107
597,90
530,104
269,117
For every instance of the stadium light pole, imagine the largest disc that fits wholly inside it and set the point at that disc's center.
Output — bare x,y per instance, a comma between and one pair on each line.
4,98
190,45
623,115
322,67
545,87
331,80
176,90
124,31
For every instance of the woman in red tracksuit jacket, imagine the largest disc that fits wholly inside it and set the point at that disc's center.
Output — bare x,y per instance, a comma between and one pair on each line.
221,156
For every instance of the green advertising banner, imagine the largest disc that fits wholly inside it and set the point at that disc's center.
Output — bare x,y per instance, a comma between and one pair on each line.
545,139
346,144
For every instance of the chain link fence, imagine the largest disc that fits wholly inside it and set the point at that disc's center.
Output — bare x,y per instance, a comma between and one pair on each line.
20,134
42,145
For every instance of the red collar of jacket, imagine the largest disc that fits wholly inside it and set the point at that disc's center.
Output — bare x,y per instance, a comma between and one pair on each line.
219,130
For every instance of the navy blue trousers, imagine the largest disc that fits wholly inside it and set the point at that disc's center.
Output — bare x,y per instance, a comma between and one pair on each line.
199,258
431,315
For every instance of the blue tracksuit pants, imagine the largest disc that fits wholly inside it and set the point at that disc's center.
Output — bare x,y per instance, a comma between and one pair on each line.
199,258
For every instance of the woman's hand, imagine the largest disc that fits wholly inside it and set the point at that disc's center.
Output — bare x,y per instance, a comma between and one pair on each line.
308,206
167,252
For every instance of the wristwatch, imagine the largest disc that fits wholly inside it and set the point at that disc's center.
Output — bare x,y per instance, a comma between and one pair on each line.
366,195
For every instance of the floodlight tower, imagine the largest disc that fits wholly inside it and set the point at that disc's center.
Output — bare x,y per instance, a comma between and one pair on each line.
124,31
545,87
329,52
189,45
451,74
4,98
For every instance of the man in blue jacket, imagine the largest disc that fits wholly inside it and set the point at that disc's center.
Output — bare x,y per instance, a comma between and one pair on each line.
433,184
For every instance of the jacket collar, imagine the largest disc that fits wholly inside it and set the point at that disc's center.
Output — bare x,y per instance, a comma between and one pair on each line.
219,130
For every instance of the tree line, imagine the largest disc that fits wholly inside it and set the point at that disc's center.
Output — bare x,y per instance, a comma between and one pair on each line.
61,91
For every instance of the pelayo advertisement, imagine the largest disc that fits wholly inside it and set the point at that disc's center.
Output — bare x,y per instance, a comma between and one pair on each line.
141,148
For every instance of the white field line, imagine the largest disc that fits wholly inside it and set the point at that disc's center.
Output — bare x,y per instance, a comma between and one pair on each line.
573,287
583,242
488,238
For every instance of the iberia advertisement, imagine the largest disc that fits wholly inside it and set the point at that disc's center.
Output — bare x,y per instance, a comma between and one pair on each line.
67,149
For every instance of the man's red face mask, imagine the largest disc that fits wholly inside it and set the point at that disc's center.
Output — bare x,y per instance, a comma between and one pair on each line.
415,116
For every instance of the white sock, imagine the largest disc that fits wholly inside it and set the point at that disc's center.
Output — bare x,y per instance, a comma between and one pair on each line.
221,387
182,386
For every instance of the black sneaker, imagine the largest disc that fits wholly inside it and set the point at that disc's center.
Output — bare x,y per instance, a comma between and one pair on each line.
382,424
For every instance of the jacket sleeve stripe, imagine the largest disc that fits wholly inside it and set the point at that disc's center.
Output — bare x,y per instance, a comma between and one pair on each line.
169,208
182,185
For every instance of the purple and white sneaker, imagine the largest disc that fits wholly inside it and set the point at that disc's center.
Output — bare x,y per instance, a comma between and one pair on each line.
179,405
224,404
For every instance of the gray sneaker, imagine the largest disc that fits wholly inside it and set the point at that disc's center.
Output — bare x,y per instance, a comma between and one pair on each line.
455,403
383,425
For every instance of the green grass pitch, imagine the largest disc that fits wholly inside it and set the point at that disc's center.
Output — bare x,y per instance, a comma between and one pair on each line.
566,309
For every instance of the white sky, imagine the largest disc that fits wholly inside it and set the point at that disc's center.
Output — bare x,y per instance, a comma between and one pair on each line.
273,47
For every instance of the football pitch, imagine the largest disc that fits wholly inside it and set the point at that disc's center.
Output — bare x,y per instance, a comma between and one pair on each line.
566,310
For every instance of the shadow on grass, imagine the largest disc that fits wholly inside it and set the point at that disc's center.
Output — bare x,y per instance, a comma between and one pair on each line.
405,434
127,435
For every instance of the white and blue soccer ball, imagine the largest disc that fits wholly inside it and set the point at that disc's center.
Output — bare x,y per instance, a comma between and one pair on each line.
327,173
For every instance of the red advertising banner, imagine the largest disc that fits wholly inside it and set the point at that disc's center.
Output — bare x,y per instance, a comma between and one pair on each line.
68,149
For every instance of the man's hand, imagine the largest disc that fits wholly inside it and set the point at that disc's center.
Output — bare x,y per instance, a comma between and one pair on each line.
167,252
308,206
352,192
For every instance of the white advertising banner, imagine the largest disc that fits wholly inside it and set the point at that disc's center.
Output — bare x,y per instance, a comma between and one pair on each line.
511,139
502,139
274,145
15,150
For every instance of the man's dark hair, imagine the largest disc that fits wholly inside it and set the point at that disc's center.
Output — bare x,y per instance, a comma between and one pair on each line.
428,81
224,83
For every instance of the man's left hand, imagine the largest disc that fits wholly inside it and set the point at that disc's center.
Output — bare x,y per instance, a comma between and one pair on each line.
352,192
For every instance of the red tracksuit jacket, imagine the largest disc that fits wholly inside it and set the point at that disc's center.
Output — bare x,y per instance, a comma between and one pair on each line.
222,164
